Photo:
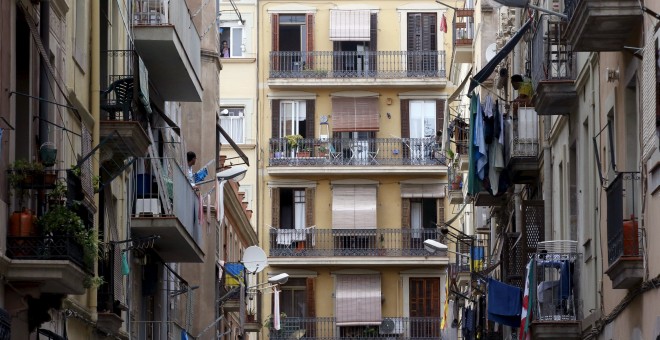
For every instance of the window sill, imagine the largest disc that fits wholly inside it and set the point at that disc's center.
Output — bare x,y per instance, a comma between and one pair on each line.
238,60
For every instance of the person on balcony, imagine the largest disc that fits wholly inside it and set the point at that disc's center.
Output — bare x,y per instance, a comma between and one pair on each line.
192,159
525,92
225,52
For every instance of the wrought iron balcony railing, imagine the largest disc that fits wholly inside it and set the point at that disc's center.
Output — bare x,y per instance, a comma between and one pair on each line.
356,152
351,242
523,139
623,234
47,248
326,328
353,64
552,57
555,291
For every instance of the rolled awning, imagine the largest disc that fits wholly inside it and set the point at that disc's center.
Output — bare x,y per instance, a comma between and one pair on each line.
485,72
460,87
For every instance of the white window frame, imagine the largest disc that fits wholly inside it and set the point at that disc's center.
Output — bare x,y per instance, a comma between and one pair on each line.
297,113
236,114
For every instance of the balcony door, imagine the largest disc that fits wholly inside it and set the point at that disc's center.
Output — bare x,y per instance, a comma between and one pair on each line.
422,44
424,297
298,33
422,126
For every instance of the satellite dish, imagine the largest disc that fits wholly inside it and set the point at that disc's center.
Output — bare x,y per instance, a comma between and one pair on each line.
254,259
491,51
387,326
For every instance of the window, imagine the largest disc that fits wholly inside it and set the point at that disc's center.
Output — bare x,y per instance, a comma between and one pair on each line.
422,39
293,116
354,207
292,208
80,40
298,31
354,34
233,36
293,298
232,120
358,300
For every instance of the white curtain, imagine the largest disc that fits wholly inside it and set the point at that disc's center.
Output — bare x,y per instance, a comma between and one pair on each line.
416,219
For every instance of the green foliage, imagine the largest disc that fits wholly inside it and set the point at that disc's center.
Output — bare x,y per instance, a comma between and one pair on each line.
293,140
93,281
63,221
19,172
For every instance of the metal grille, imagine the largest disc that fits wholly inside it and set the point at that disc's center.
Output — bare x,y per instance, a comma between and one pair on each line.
86,167
533,226
512,258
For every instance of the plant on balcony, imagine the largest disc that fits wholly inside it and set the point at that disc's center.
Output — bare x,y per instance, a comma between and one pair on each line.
293,141
27,175
323,151
457,182
61,220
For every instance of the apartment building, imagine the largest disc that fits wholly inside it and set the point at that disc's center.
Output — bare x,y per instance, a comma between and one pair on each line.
351,108
109,239
580,159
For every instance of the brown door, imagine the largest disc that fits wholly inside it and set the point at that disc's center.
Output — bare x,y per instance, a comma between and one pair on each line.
422,44
424,297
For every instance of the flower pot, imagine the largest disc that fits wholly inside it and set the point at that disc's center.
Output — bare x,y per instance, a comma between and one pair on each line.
302,154
21,223
630,237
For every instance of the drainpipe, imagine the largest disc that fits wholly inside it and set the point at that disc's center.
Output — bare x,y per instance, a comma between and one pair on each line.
95,109
44,32
547,181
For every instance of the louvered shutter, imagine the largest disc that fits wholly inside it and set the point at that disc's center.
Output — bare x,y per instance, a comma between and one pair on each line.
275,201
275,113
441,211
405,127
405,222
373,42
309,21
439,114
310,292
275,47
310,123
309,206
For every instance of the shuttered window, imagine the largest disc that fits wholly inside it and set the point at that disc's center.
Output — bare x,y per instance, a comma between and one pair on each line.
355,114
358,300
354,207
350,25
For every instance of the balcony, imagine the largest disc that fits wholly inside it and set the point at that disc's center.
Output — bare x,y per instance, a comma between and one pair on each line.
553,69
455,195
485,199
326,328
167,39
123,106
557,267
463,35
168,207
55,262
624,252
601,25
522,152
368,68
345,155
376,246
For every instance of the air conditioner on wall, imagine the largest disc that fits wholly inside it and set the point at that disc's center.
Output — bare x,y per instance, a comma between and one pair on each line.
391,326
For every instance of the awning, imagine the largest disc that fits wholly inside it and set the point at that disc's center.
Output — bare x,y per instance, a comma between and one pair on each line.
350,25
428,190
460,87
233,145
355,114
358,300
485,72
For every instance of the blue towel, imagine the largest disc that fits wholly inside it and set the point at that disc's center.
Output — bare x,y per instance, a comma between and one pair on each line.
504,303
200,175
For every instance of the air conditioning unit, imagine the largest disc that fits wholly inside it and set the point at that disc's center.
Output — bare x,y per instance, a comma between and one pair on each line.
392,326
147,206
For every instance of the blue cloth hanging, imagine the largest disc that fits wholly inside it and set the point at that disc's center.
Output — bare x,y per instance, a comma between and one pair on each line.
125,268
504,303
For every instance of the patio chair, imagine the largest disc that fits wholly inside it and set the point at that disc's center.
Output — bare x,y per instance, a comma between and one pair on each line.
119,107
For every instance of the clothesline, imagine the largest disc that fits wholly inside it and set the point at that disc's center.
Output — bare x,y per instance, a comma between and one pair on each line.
489,90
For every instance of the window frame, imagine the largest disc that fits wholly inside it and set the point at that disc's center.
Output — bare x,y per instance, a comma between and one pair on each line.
230,130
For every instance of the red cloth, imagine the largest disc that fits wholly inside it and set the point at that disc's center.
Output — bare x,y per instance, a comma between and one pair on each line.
443,24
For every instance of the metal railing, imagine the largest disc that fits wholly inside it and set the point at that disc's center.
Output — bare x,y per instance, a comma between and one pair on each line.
554,285
523,139
171,13
351,242
47,248
623,234
353,64
463,28
552,56
162,189
157,330
326,328
356,152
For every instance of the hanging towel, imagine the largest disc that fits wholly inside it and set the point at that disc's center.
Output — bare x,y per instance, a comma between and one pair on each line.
276,309
125,269
504,303
480,143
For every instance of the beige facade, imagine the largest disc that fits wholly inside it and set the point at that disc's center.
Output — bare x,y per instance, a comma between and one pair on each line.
344,207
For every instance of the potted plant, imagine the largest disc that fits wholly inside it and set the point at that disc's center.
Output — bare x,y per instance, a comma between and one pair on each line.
323,151
48,154
61,220
293,141
21,177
